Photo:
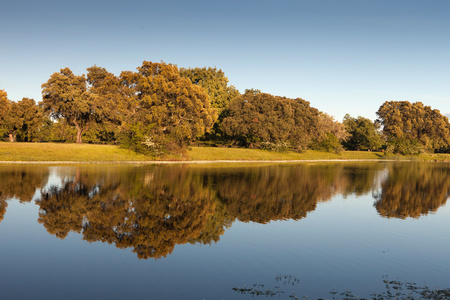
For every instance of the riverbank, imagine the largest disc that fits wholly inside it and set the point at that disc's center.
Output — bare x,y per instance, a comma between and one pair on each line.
57,153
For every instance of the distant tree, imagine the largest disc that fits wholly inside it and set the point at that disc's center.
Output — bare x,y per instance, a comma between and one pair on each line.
168,108
65,96
363,134
410,127
215,83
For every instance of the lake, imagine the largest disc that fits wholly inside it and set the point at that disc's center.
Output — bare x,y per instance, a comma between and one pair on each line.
230,231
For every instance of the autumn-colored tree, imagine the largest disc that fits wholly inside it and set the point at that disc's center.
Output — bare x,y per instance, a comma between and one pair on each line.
65,96
169,108
363,134
409,127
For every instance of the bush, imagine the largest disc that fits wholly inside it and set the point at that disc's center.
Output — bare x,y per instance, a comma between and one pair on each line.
404,147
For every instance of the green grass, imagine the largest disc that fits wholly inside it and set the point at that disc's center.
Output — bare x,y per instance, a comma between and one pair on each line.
210,153
47,152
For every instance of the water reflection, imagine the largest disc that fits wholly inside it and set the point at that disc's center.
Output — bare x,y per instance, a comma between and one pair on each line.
151,209
413,190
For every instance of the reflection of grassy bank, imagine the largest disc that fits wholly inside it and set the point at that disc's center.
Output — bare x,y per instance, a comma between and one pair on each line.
109,153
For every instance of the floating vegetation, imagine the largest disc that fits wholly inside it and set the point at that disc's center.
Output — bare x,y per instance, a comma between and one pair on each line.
258,290
394,289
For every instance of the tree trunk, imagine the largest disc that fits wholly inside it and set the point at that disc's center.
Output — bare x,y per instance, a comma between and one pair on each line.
79,133
12,138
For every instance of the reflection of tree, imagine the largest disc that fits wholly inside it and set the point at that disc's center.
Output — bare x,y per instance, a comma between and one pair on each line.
288,192
150,212
3,206
19,182
413,190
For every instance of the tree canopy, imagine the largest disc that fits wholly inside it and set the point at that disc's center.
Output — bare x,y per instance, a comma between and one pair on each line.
65,96
410,124
170,109
215,84
363,133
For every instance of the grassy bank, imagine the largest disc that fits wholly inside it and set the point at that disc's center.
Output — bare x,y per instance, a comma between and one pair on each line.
108,153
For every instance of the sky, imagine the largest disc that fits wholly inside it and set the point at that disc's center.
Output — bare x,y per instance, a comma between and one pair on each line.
347,56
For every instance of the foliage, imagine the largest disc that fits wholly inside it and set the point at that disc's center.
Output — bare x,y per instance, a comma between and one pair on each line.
169,107
5,104
363,134
329,134
65,96
215,83
23,118
255,119
406,124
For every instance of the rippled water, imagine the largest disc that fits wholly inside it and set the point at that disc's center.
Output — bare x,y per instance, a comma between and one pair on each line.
222,232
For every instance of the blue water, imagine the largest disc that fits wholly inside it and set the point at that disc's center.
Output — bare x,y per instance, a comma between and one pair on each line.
342,243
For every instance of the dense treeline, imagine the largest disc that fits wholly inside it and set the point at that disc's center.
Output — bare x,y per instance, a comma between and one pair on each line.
162,109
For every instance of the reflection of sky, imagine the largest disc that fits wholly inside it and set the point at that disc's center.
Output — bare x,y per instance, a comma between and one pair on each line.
342,244
342,56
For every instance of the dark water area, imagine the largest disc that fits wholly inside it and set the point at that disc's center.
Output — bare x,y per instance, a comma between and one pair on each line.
282,231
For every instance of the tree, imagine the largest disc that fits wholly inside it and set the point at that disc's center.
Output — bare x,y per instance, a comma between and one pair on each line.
329,134
13,120
215,83
363,134
5,106
168,108
259,119
65,96
410,127
113,98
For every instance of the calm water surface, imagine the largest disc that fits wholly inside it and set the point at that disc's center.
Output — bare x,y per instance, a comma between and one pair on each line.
222,232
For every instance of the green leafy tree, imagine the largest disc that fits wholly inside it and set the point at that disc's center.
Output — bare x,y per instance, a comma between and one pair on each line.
215,83
65,96
113,97
5,105
410,127
363,134
170,110
258,119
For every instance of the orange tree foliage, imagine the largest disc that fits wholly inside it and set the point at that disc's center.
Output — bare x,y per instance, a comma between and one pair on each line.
413,191
170,110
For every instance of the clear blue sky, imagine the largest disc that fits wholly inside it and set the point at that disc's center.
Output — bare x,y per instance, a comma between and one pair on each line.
344,56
